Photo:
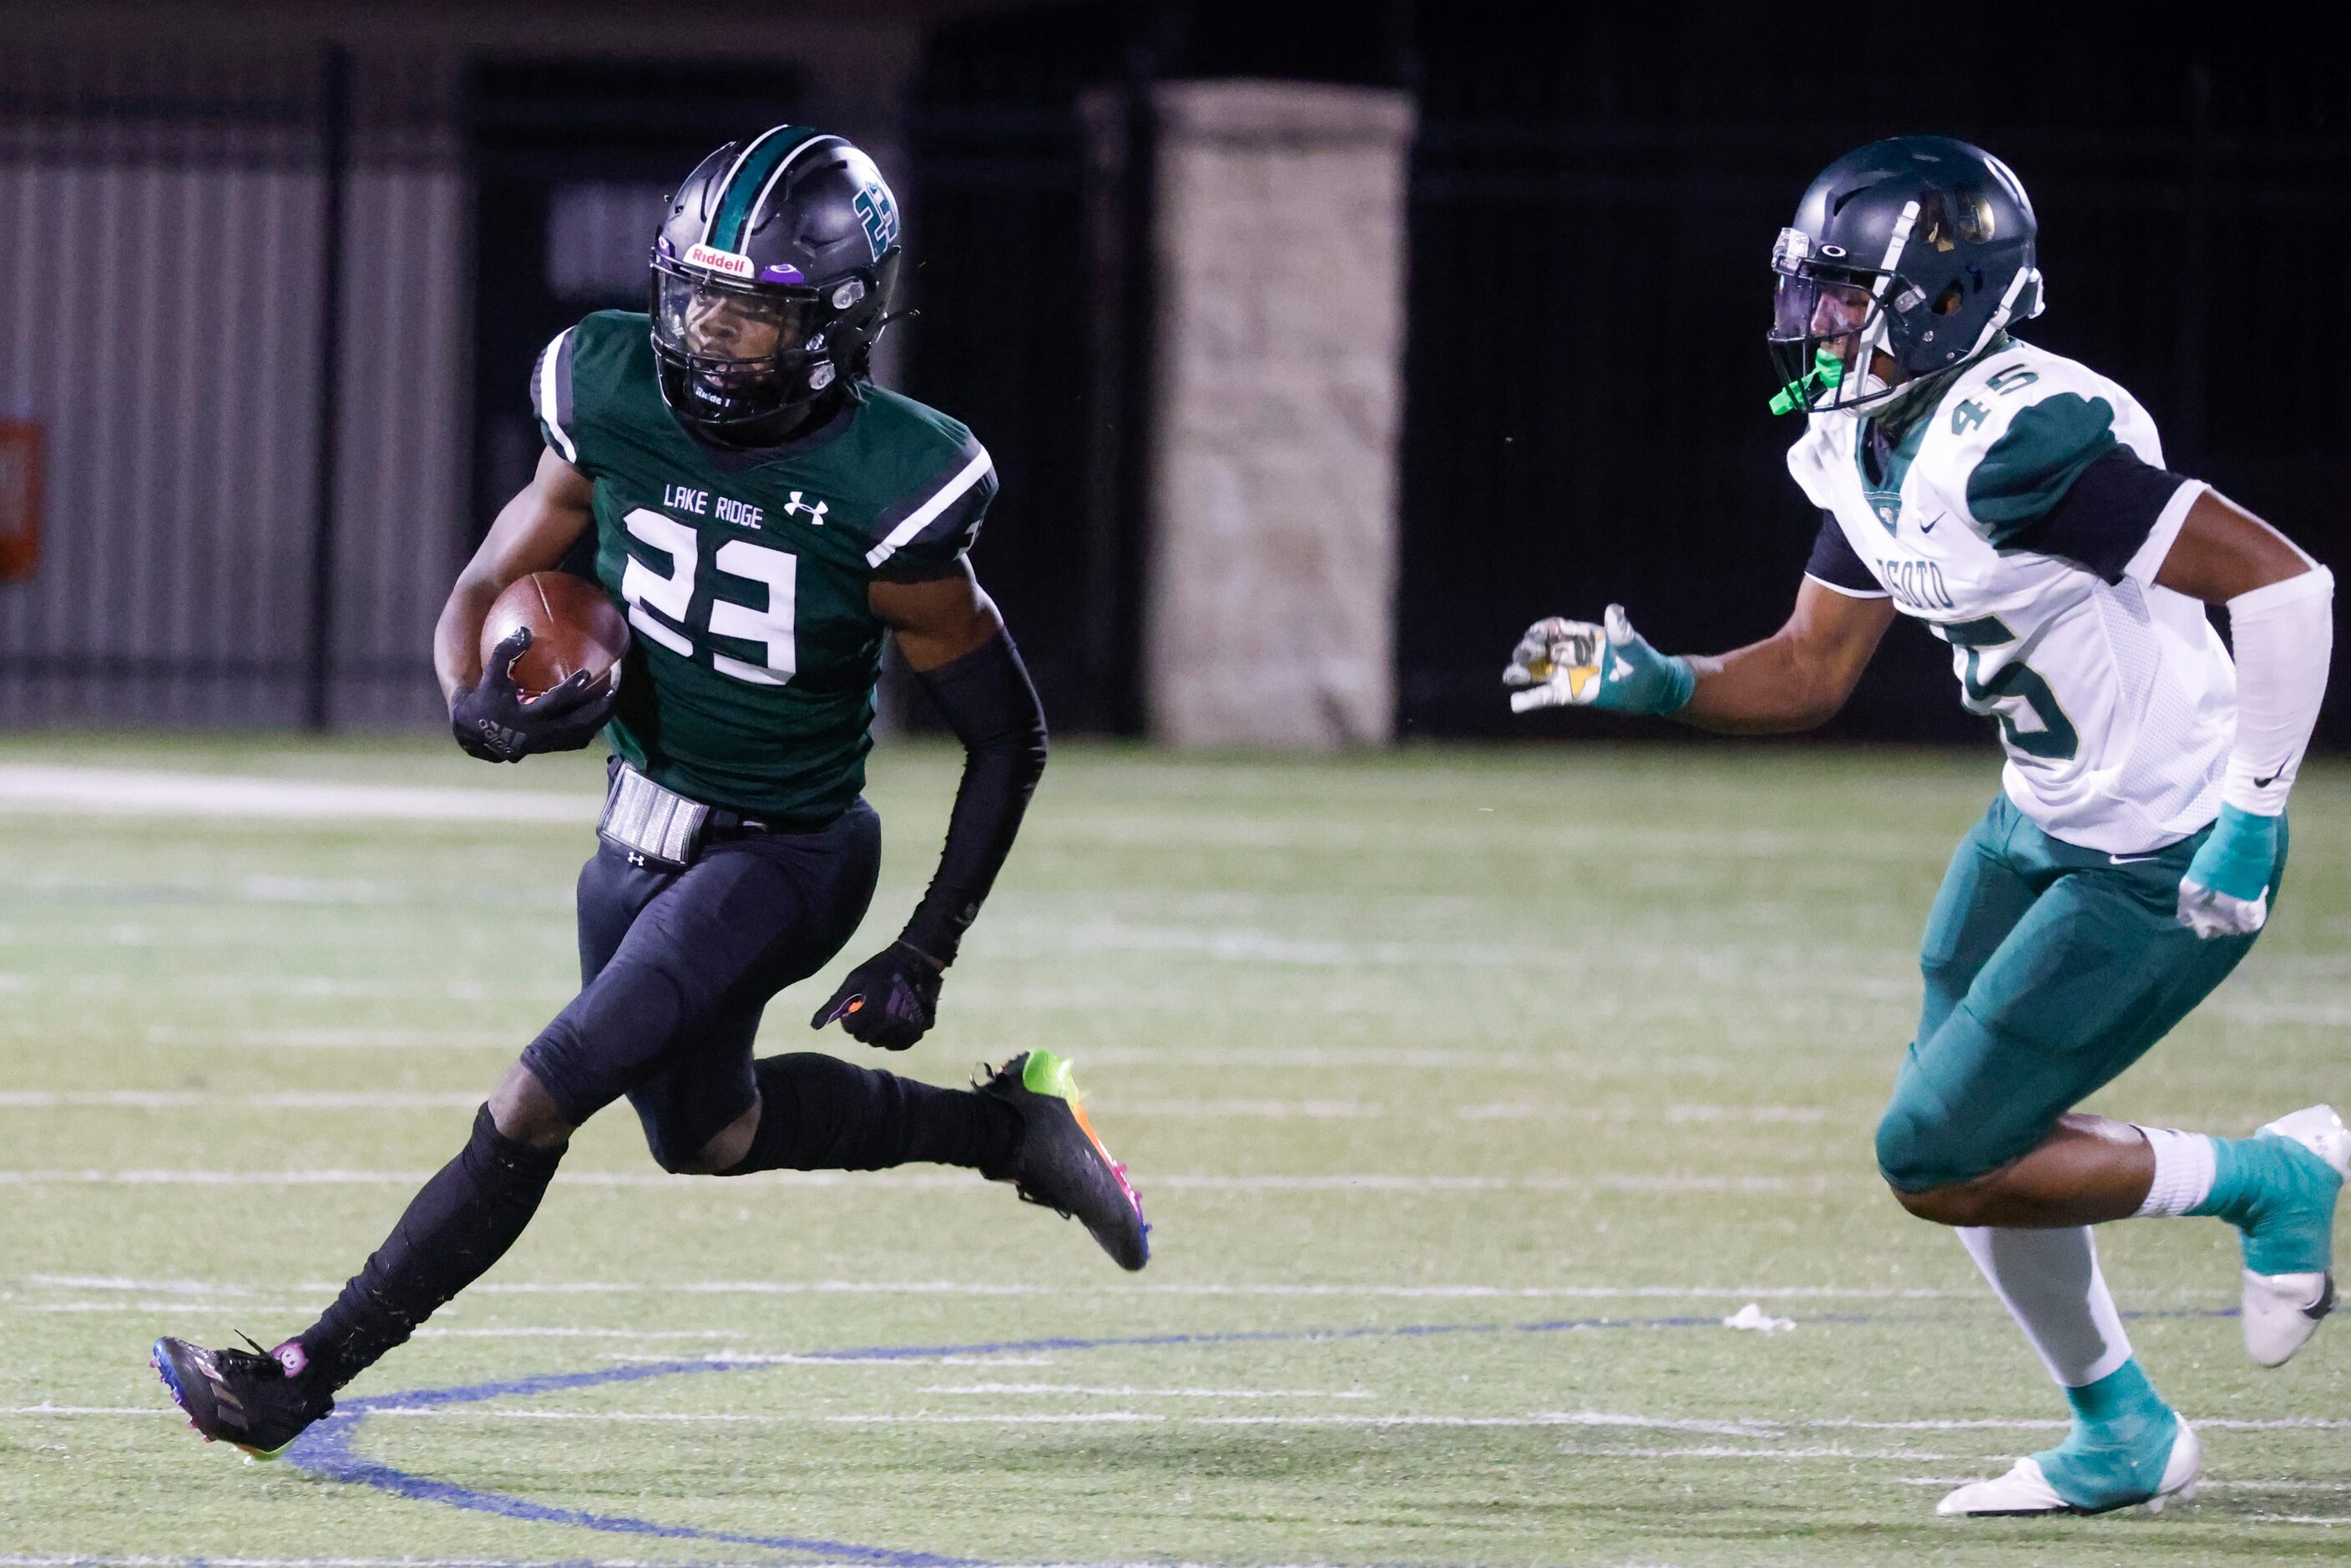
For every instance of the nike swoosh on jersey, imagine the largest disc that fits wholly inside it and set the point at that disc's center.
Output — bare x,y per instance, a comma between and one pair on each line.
2132,860
1929,527
2265,783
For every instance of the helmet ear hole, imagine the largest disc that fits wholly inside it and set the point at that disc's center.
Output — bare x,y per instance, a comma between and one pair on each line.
1948,300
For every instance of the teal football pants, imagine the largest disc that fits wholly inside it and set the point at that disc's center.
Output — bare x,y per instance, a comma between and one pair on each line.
2050,968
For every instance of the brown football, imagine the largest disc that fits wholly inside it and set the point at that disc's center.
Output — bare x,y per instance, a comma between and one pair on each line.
573,626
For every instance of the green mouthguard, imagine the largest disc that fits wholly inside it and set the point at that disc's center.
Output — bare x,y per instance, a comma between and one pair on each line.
1827,372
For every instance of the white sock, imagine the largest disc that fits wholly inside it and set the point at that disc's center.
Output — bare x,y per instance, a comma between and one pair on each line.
2051,1282
2183,1172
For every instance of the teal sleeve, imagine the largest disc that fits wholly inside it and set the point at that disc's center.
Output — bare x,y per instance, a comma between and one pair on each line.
2239,857
2027,472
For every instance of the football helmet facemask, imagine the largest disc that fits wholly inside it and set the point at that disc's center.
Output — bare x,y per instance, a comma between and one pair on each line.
772,277
1917,247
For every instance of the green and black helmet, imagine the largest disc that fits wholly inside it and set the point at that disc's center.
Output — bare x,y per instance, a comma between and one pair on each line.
773,277
1917,247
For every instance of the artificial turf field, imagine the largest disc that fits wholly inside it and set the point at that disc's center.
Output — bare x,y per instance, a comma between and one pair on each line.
1469,1091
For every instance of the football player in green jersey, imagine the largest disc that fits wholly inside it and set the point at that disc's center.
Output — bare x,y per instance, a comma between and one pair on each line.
764,514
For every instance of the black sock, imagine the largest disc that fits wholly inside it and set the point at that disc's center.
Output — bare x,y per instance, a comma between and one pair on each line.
460,1223
818,1113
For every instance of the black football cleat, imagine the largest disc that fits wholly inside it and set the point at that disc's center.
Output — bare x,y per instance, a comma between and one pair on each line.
1061,1163
257,1400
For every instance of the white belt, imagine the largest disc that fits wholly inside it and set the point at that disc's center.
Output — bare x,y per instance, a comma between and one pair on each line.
657,826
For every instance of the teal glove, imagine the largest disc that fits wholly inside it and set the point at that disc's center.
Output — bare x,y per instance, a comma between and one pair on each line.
1574,664
2226,890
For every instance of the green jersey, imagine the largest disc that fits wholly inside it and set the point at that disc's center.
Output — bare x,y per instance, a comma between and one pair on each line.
754,655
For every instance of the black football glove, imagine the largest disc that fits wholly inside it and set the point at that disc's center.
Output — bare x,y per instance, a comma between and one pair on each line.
492,721
888,1001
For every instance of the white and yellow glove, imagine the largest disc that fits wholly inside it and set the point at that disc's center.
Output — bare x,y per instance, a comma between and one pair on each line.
1576,663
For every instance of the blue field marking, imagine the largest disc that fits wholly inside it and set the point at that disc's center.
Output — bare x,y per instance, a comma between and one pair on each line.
325,1450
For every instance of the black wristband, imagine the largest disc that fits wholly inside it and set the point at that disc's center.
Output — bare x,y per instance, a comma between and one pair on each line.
988,700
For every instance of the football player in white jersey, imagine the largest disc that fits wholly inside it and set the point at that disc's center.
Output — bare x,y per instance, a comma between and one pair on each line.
2017,503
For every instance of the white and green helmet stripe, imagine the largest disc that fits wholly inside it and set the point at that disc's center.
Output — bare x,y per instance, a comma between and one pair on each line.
749,179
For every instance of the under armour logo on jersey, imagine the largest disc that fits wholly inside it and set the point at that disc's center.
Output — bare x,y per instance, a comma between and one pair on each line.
815,513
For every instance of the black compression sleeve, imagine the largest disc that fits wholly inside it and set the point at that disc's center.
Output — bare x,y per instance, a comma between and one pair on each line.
1835,562
457,1225
2105,516
818,1113
988,702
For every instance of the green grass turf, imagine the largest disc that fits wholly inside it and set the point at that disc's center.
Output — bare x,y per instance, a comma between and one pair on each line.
1603,1032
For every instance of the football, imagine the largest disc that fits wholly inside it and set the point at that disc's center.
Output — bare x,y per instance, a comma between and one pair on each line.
573,626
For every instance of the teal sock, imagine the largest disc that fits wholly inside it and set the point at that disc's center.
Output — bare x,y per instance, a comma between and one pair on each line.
2120,1442
2281,1197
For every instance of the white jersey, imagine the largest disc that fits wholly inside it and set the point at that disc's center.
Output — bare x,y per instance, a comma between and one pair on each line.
2116,699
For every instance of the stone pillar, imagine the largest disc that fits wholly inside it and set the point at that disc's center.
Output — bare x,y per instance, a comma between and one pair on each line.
1279,247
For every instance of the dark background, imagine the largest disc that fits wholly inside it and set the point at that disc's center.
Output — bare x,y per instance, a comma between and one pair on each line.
1593,198
1594,194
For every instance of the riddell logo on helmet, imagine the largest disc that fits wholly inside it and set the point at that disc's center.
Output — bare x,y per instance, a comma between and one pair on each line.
726,261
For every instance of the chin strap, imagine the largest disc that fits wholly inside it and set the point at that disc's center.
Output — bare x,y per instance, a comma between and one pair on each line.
2026,276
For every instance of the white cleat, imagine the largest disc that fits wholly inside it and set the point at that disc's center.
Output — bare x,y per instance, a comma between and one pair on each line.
2025,1493
2281,1312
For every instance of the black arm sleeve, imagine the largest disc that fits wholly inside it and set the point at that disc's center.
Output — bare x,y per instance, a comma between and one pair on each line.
1835,562
2104,516
988,702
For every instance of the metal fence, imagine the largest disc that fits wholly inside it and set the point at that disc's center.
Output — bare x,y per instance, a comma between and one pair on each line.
267,316
233,319
1029,147
1592,204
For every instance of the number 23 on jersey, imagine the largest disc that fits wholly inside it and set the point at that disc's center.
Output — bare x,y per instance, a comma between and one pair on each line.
660,603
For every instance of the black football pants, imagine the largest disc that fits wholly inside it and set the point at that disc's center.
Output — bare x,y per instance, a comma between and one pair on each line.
676,967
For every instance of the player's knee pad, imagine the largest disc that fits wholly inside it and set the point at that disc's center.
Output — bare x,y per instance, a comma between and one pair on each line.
1920,1145
609,1038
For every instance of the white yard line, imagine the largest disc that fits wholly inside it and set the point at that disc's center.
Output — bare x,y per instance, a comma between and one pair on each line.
1087,1418
1896,1455
1677,1116
731,1358
126,791
2204,1484
321,987
1753,1432
1201,1109
1236,1110
550,1332
85,1560
340,1039
1278,1289
1411,1059
1080,1390
950,1181
190,1099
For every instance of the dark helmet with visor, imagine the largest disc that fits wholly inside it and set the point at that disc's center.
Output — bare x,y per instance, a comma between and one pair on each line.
1916,247
773,277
